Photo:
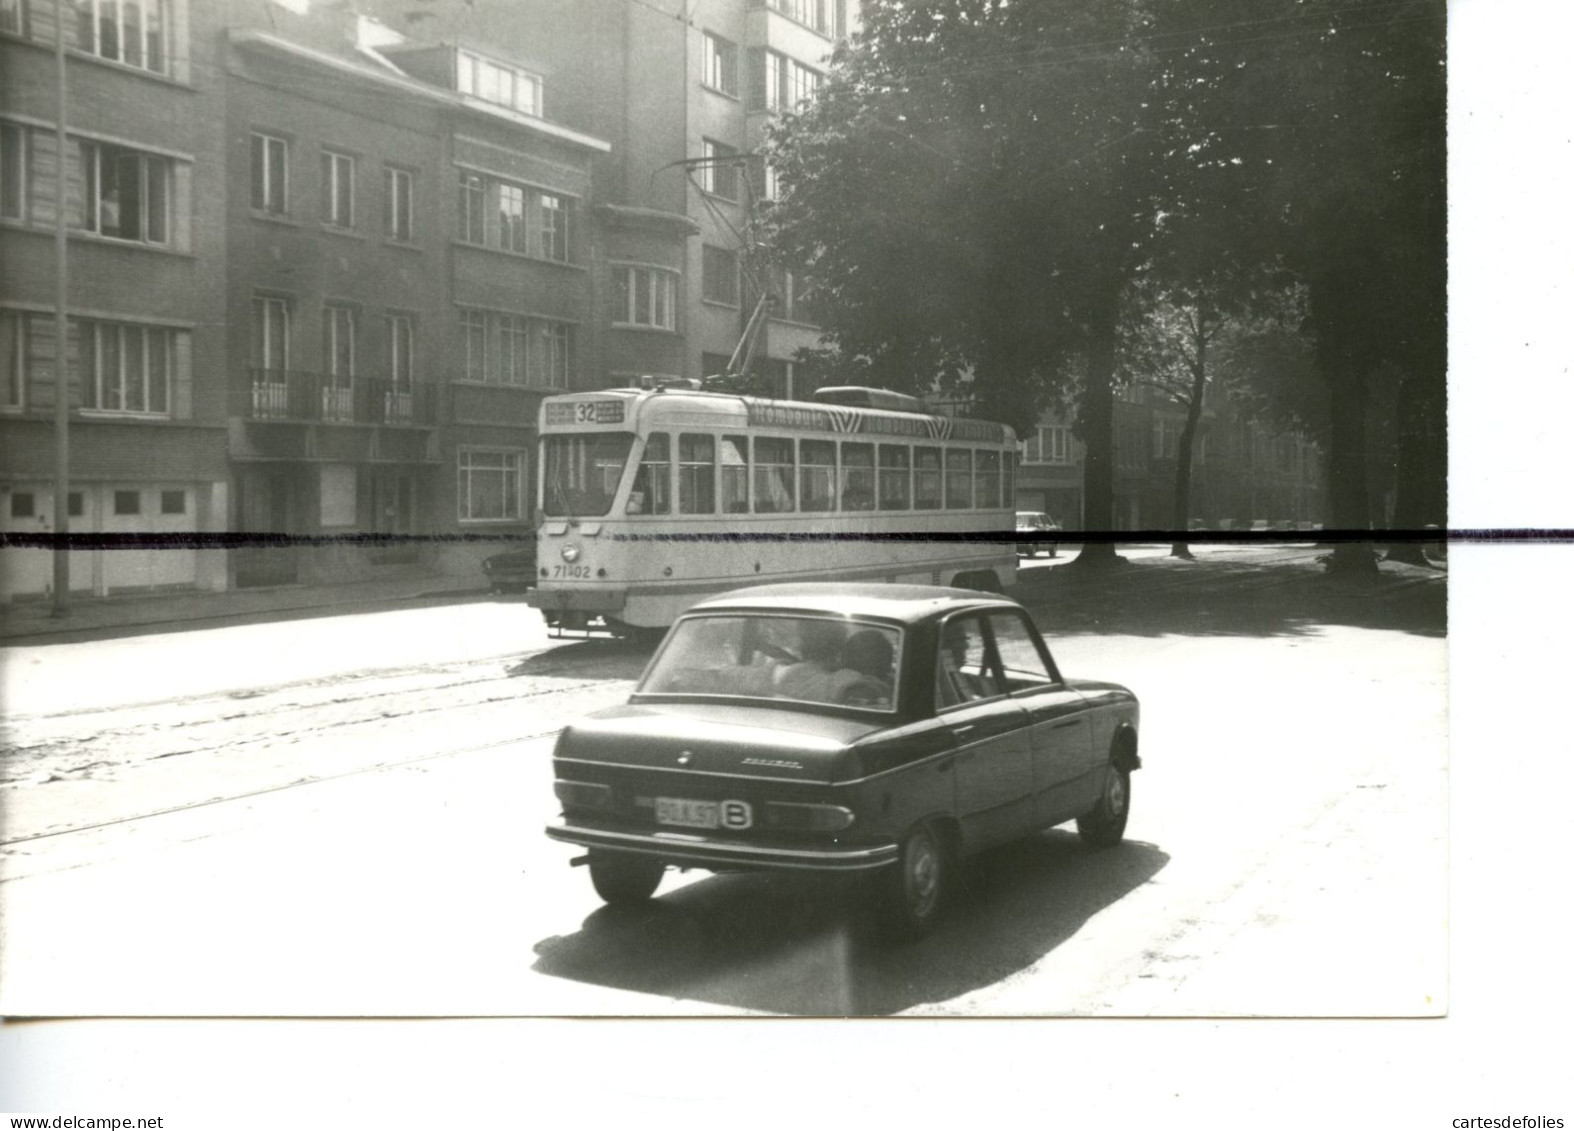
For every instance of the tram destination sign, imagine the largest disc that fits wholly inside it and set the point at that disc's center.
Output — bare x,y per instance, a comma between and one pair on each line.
585,412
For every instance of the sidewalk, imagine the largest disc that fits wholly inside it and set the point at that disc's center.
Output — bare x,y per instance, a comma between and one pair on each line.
90,618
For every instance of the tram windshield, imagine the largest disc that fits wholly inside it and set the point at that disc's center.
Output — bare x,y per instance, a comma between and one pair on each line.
581,472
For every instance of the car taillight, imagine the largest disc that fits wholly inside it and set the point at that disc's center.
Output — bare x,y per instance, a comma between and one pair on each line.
583,795
808,817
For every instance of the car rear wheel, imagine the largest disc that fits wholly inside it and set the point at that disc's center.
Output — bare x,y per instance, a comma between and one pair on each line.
916,889
620,880
1104,826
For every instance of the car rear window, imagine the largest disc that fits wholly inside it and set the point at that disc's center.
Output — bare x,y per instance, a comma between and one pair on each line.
828,660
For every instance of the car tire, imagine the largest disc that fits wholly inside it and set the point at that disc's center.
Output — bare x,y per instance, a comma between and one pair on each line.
917,889
1104,826
623,880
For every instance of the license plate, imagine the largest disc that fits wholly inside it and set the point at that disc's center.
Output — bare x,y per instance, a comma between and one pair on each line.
703,814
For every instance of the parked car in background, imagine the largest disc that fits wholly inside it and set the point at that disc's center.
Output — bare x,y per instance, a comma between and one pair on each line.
883,730
511,572
1036,523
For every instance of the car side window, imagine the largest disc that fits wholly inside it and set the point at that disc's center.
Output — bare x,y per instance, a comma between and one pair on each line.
963,669
1021,662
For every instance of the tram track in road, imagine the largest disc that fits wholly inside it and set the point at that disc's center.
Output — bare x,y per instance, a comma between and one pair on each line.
70,775
212,802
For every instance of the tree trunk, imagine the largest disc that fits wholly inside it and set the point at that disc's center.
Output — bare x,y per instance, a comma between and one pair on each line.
1199,376
1345,361
1098,436
1421,498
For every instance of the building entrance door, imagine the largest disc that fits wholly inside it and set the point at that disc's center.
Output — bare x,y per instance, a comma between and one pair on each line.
394,512
265,504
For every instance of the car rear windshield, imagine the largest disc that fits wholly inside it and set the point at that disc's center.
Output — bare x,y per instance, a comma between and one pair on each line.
581,472
803,659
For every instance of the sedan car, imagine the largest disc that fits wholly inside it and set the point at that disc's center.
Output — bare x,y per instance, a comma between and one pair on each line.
511,572
1037,524
887,730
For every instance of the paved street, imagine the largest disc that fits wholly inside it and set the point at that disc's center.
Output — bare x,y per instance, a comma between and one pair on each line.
343,816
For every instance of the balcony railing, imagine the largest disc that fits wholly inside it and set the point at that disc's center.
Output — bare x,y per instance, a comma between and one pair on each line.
296,395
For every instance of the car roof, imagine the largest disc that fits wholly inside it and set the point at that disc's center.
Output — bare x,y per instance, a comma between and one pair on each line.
906,603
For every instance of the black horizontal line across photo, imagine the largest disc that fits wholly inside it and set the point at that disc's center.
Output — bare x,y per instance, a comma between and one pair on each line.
236,540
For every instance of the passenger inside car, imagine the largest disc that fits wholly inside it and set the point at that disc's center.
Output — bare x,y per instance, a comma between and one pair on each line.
962,674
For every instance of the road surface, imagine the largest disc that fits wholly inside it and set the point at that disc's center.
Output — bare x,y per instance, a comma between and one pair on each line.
342,816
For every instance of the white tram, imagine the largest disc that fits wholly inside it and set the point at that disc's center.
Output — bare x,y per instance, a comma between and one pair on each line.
652,499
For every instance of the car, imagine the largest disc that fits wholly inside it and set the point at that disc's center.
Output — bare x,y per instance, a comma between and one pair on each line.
511,572
886,732
1036,523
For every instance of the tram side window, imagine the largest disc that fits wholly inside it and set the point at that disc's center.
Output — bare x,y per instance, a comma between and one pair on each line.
735,474
773,475
652,491
817,475
696,474
895,481
986,479
926,479
858,477
958,478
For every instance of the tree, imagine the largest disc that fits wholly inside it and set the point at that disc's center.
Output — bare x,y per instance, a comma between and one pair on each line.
1320,122
972,192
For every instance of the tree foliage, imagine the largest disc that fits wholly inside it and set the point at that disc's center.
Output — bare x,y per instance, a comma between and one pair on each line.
985,189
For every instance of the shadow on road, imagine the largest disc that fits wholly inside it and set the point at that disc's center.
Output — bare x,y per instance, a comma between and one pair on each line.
602,657
1284,595
787,944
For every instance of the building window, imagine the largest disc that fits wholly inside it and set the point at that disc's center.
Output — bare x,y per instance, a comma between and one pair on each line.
553,211
23,504
133,32
472,335
781,83
172,502
13,355
270,319
499,84
270,163
398,204
828,17
1050,444
13,178
646,296
125,193
513,349
338,344
719,174
720,275
126,368
553,370
491,486
472,208
720,62
512,234
128,502
338,189
401,352
11,13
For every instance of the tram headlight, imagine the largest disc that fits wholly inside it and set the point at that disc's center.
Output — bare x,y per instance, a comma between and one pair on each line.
571,553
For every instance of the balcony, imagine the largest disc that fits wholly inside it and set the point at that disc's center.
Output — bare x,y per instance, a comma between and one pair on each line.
296,396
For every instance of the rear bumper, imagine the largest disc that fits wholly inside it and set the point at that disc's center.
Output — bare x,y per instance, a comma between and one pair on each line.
701,851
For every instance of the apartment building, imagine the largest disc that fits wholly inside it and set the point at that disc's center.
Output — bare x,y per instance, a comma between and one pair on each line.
1244,472
409,255
684,93
326,259
144,349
